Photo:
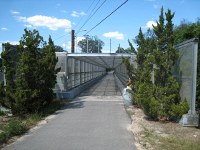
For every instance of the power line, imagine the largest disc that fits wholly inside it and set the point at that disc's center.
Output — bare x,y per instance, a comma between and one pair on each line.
60,37
107,16
78,22
86,12
92,14
89,15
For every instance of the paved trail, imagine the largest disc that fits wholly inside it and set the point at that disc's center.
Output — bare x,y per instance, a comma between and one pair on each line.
96,120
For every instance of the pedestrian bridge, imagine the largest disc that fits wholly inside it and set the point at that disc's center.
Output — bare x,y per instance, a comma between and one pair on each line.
79,71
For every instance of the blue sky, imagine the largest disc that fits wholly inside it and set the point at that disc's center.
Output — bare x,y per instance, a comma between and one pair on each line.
58,17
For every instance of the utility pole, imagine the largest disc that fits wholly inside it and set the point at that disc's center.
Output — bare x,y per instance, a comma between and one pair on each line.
72,41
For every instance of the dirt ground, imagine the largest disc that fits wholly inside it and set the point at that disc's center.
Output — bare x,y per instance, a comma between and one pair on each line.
141,126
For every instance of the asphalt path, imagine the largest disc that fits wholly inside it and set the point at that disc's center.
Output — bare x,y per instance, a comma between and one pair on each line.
96,120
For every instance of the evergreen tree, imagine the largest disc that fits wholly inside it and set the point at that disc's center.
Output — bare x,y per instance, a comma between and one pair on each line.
29,82
8,65
59,48
36,74
160,51
48,72
28,77
122,50
165,56
160,100
141,50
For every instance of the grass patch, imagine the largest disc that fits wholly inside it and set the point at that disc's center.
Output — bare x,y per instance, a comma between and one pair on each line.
15,127
170,142
12,128
4,136
32,120
18,125
180,143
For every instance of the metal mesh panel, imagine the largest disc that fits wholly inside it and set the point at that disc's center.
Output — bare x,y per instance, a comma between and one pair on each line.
61,63
183,70
75,72
61,78
186,69
121,73
78,69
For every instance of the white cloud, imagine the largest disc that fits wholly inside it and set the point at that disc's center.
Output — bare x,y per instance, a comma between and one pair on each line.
77,14
45,21
4,29
64,45
28,26
68,30
14,12
79,38
150,24
116,35
67,46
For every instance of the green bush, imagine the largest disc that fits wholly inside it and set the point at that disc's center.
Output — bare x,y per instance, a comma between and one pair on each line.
143,94
2,113
159,102
15,127
145,98
151,108
4,136
179,109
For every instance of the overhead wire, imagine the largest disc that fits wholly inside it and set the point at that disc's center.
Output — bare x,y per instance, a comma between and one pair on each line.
86,12
91,15
60,37
78,22
93,12
106,17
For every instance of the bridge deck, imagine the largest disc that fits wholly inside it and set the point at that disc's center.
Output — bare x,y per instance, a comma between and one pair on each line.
105,87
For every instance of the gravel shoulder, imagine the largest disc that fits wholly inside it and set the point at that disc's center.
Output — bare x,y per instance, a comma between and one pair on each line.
150,135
